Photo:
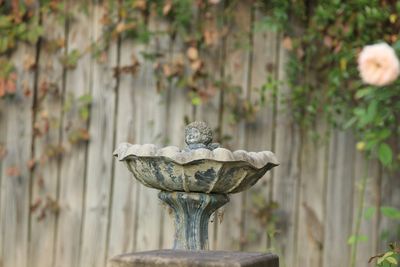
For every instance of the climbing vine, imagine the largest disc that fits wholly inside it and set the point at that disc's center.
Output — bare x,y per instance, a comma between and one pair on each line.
324,39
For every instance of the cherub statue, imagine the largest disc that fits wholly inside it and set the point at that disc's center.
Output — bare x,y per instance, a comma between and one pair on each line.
199,135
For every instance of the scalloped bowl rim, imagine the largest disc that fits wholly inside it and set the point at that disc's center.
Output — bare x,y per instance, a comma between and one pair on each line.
123,147
197,160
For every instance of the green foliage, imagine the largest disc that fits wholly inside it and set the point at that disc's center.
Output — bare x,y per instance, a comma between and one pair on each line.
390,212
70,60
324,39
356,238
18,23
389,259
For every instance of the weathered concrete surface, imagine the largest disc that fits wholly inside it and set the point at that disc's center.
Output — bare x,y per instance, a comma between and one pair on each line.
180,258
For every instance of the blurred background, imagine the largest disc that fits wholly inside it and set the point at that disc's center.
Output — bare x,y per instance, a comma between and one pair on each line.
79,77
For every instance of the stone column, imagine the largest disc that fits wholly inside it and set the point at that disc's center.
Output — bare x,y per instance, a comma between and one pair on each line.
192,212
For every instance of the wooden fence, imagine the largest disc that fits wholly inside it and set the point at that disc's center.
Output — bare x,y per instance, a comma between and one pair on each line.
65,202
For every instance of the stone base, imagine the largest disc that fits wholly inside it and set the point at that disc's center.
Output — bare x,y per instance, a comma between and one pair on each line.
181,258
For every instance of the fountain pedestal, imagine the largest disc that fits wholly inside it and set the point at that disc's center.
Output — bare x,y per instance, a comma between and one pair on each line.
192,212
181,258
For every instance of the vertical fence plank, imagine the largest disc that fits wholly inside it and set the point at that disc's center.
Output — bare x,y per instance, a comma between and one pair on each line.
47,145
140,208
73,168
3,153
15,182
125,195
230,231
368,223
152,126
311,207
260,134
389,228
213,24
100,160
286,177
339,199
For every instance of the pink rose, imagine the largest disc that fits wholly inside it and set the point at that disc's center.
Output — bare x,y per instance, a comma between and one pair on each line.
378,64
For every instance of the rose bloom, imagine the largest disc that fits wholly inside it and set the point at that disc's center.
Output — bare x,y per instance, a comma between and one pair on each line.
378,64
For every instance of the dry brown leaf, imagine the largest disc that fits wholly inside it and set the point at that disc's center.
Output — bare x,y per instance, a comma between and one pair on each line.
167,70
120,27
196,65
27,92
84,134
60,42
287,43
2,87
300,52
11,87
167,7
13,171
140,4
29,62
35,205
103,57
338,47
3,152
210,36
192,53
328,41
31,164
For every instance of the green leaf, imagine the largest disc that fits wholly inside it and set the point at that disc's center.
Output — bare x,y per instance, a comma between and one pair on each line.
371,111
5,21
391,212
196,101
3,44
380,260
388,254
84,113
391,260
385,154
363,92
350,123
369,212
396,45
356,238
85,99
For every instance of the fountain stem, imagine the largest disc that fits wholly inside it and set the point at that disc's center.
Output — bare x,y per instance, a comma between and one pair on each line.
192,212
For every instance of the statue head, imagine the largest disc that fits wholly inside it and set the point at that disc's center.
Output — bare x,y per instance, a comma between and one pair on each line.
198,134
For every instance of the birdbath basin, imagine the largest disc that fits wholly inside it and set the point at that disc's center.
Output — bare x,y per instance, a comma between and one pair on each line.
194,181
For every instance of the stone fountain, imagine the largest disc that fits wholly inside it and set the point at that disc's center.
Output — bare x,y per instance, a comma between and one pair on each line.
195,182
